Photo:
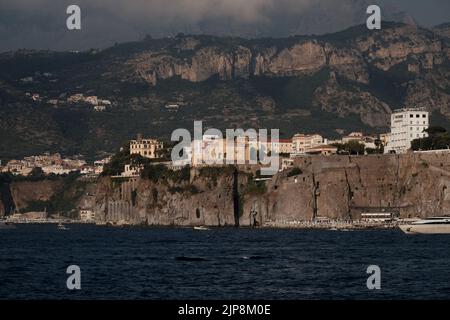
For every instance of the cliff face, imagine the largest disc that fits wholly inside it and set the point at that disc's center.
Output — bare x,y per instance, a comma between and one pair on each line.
349,55
409,185
370,73
25,192
54,195
203,201
412,185
240,61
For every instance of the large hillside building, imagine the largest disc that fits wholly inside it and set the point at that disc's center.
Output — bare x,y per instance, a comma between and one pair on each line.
145,147
407,125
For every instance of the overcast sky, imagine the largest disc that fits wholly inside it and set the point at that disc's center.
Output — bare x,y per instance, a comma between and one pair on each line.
41,24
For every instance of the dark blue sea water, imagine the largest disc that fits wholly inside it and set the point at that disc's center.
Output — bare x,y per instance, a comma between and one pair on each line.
154,263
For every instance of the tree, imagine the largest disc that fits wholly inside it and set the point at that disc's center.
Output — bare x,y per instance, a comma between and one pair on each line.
435,131
118,162
352,147
438,138
37,173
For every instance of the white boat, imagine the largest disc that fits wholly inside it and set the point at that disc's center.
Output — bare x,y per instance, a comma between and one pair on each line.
62,227
202,228
432,225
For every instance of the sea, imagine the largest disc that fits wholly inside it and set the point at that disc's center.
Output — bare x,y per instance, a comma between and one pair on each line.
222,263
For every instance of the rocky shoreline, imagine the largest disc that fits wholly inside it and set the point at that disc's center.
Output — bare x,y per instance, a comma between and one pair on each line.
406,186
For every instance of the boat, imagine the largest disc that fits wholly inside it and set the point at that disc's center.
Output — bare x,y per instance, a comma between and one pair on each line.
62,227
201,228
432,225
60,224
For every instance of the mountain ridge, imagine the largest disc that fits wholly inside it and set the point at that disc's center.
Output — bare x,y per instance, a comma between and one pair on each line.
350,80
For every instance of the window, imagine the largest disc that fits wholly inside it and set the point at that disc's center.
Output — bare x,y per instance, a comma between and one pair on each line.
417,115
411,116
424,116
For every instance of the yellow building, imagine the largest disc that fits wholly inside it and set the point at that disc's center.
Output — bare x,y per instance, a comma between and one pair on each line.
280,146
301,142
217,150
145,147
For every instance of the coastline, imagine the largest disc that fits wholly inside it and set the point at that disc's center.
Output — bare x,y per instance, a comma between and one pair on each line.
360,226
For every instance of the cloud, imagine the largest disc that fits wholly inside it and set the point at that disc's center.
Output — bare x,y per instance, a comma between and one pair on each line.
41,23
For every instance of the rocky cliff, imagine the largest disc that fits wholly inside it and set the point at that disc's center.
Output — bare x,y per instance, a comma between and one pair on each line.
56,195
405,63
413,185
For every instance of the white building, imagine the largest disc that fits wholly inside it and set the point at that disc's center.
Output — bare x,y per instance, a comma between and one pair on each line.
99,165
407,125
132,171
92,100
301,143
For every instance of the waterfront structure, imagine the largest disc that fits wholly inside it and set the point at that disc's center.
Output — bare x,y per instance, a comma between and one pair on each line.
87,215
378,217
407,125
147,148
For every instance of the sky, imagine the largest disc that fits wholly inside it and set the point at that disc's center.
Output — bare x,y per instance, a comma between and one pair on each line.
41,24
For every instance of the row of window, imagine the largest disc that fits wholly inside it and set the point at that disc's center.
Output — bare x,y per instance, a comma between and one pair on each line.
412,135
145,146
418,116
418,135
400,116
419,123
417,128
146,153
